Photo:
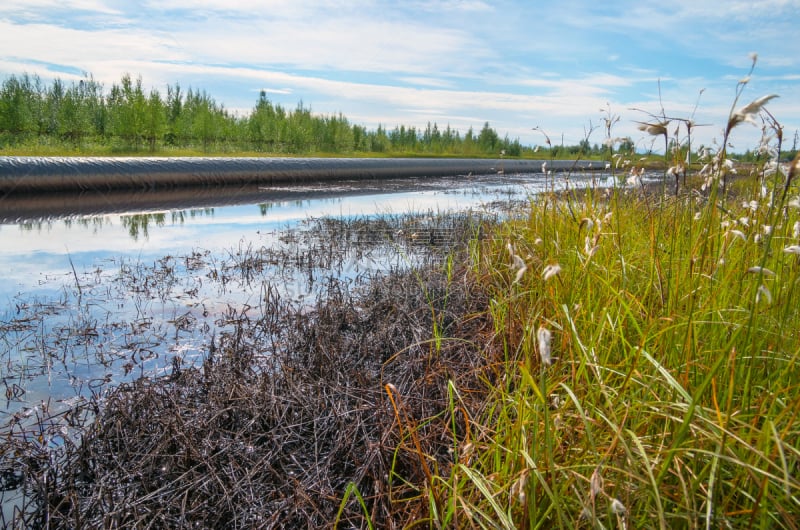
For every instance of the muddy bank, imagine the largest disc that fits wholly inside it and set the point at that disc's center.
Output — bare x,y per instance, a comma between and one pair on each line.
40,174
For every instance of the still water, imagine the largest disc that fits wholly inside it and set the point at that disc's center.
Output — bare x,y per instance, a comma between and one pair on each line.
99,290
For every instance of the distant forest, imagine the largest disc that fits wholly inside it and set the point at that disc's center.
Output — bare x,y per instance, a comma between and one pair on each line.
127,119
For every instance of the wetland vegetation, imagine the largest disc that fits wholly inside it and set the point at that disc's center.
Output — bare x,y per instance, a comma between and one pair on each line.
624,357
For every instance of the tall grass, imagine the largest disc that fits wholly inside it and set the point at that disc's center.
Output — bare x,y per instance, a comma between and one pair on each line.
665,388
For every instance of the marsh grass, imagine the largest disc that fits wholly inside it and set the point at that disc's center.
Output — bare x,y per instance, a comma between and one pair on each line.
672,398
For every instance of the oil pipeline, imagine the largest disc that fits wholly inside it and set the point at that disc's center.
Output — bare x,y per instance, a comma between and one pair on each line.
23,175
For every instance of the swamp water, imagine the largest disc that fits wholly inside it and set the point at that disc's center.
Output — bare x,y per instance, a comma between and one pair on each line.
93,300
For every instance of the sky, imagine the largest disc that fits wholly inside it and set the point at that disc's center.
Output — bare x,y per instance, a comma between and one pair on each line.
529,68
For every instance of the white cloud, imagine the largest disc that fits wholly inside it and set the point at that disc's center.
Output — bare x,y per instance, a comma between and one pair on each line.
283,91
449,6
29,7
514,64
83,49
426,81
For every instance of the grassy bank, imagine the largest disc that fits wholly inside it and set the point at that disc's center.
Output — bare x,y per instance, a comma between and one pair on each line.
652,380
99,150
647,344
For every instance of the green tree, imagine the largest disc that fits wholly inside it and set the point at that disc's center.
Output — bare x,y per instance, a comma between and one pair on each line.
626,146
174,109
127,108
488,140
49,124
203,123
262,124
155,119
20,105
379,140
81,111
128,117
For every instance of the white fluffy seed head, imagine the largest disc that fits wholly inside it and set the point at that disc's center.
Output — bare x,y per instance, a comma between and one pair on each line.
595,483
738,233
618,508
749,112
520,272
518,487
550,271
792,249
544,337
764,294
763,270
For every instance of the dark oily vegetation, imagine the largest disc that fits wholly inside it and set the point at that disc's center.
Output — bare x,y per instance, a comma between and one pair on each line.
279,423
294,402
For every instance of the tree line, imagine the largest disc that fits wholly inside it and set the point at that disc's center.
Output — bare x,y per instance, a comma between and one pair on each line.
128,118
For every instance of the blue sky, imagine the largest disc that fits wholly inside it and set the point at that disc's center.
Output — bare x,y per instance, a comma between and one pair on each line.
560,66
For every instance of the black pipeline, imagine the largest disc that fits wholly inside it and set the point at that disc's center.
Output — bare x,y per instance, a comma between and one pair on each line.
48,174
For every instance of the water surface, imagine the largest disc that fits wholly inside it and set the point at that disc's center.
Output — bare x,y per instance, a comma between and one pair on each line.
102,288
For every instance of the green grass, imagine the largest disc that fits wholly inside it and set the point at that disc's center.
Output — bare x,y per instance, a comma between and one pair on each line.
675,387
646,346
46,146
61,149
653,380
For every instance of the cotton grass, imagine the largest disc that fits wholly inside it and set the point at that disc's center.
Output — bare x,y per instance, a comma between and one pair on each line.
675,320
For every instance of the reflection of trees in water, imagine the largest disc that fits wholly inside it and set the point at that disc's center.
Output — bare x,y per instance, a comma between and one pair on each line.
136,224
30,226
139,224
95,222
201,212
265,208
45,225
